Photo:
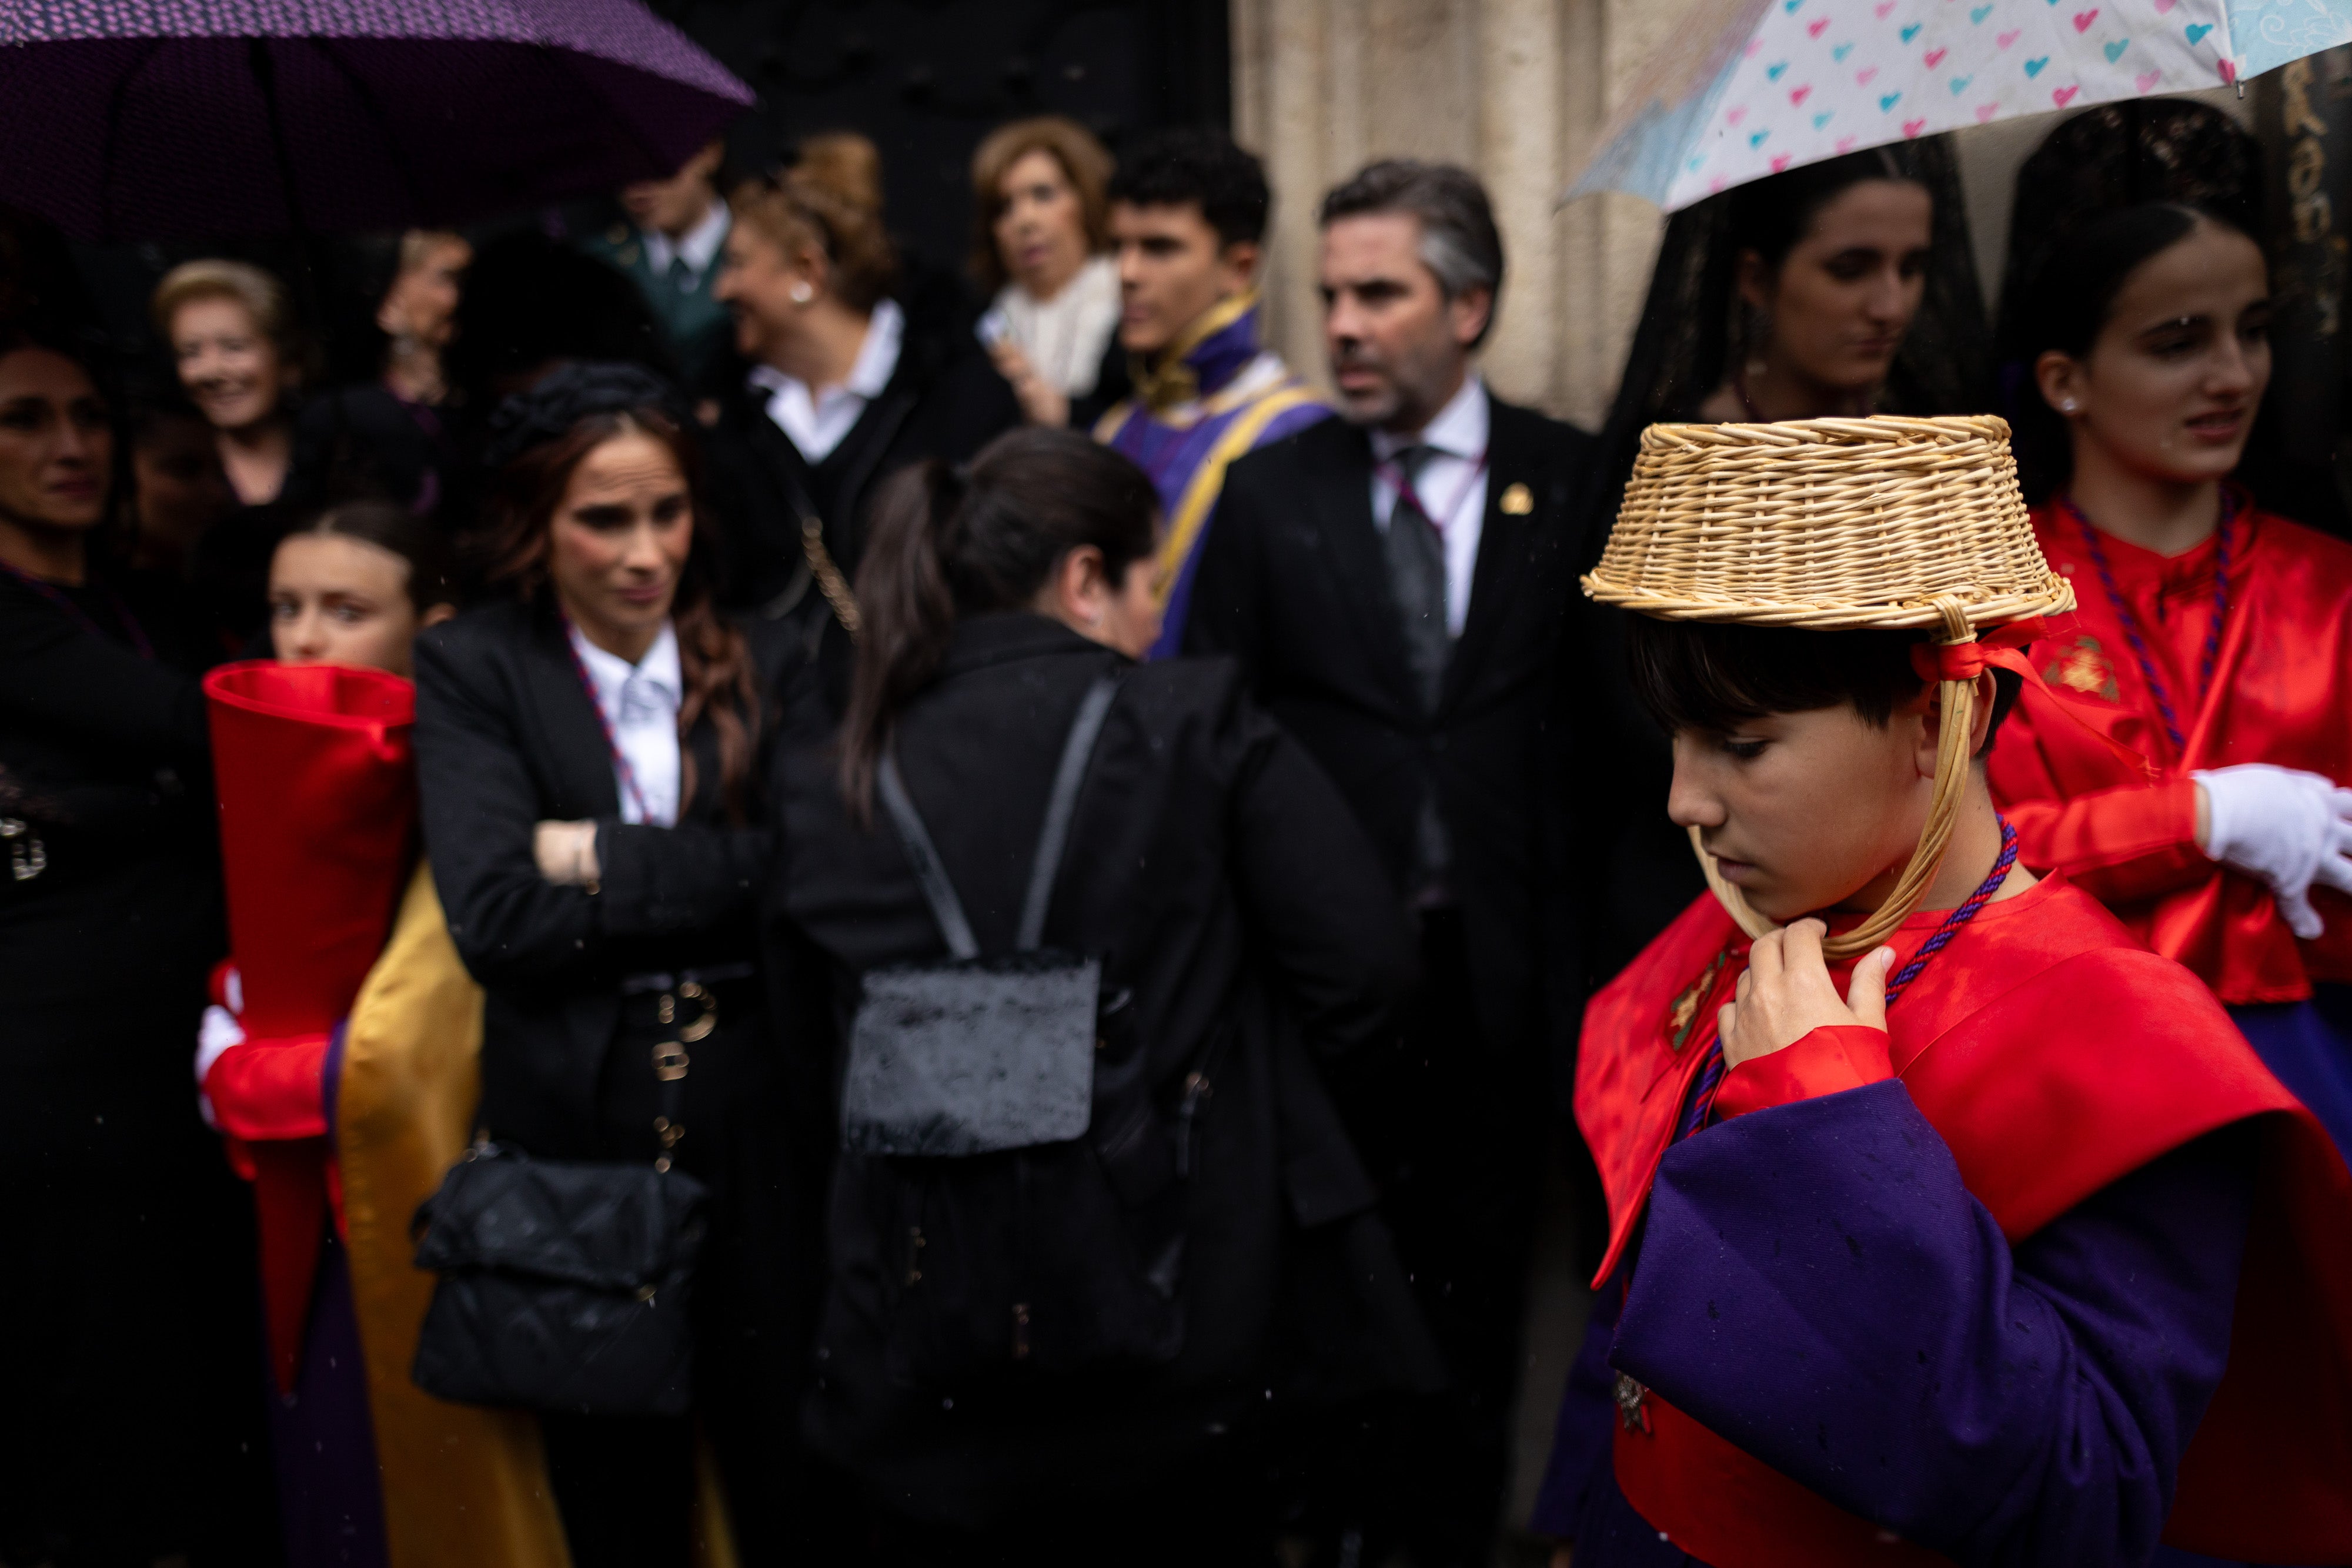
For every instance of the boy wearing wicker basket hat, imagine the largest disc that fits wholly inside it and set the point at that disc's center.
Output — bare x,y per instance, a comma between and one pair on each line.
1948,1223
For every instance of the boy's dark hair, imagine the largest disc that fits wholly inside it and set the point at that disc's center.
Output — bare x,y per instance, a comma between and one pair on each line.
1202,168
1709,675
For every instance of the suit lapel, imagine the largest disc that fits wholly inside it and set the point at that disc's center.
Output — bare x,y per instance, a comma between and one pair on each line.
1512,462
1340,489
572,734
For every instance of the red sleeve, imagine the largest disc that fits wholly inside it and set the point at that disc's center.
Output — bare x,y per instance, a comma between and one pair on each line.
1833,1058
271,1089
2121,842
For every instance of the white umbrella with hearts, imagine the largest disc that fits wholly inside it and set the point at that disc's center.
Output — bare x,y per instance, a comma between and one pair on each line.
1750,87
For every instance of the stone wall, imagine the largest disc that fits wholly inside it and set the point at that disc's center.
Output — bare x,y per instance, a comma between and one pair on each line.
1517,91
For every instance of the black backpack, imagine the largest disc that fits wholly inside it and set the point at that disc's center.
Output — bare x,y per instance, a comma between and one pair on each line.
1011,1187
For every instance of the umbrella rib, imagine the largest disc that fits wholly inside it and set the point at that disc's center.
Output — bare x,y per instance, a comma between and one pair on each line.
114,103
398,154
560,60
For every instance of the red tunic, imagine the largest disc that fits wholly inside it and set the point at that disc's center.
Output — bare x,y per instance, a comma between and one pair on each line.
2282,694
2038,1116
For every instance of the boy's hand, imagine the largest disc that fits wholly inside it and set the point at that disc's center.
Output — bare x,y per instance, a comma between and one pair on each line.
1786,994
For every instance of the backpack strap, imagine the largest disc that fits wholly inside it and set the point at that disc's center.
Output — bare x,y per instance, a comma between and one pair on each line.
1076,752
930,872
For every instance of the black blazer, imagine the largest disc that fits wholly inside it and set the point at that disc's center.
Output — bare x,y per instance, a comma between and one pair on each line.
1293,582
508,737
944,400
1215,870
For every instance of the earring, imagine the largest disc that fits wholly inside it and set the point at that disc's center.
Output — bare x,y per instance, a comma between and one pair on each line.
801,293
2066,407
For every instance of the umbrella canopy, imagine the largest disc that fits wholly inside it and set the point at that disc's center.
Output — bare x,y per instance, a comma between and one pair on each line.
148,119
1750,87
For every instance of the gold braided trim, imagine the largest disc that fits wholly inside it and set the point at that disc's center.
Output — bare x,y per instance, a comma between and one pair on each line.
1174,382
829,581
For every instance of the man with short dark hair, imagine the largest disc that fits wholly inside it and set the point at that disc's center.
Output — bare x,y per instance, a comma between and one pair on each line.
1396,581
669,248
1187,215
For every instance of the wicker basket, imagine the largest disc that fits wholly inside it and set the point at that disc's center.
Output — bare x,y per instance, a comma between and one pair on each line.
1836,525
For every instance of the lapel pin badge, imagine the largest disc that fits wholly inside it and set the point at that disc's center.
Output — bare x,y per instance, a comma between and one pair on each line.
1518,501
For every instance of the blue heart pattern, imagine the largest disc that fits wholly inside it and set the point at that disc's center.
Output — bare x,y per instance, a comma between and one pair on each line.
1758,139
1823,118
1890,100
2033,67
1911,32
1979,13
1773,72
1961,85
2197,31
1840,53
2115,50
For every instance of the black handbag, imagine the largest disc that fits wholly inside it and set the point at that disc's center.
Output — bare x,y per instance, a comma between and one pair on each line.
1009,1198
565,1285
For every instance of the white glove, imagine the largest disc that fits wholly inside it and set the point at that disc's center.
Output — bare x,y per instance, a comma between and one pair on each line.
2289,828
219,1032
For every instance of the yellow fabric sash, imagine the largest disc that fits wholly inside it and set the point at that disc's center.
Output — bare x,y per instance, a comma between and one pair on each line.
462,1486
1208,482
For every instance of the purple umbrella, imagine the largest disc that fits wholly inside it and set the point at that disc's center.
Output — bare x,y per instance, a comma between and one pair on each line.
148,119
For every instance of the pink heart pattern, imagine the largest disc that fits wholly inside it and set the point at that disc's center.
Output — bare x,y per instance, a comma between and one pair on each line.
1838,80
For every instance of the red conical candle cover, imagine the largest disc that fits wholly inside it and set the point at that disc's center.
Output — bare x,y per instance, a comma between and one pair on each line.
317,787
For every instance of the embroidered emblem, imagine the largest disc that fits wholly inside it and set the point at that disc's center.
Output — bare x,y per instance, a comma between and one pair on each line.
1630,1395
2084,668
1683,1017
1517,501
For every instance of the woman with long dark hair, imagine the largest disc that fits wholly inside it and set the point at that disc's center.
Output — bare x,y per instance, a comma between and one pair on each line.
2211,636
130,1430
1845,287
588,751
1025,1352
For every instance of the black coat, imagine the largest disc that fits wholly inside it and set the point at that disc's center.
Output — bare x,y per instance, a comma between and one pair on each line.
1293,582
944,400
128,1321
507,736
1221,879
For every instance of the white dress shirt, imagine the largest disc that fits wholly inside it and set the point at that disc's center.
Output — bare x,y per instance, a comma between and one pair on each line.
1451,486
640,703
819,420
698,247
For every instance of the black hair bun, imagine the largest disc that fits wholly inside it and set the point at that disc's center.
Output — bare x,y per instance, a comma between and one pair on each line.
577,390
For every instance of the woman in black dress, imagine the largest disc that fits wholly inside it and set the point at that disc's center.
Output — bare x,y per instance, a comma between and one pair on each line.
1243,925
586,750
130,1427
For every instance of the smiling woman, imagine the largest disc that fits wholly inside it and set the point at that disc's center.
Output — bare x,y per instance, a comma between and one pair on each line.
231,333
2212,637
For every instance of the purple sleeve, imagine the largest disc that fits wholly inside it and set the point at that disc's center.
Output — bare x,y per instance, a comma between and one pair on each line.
1816,1285
1587,1424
